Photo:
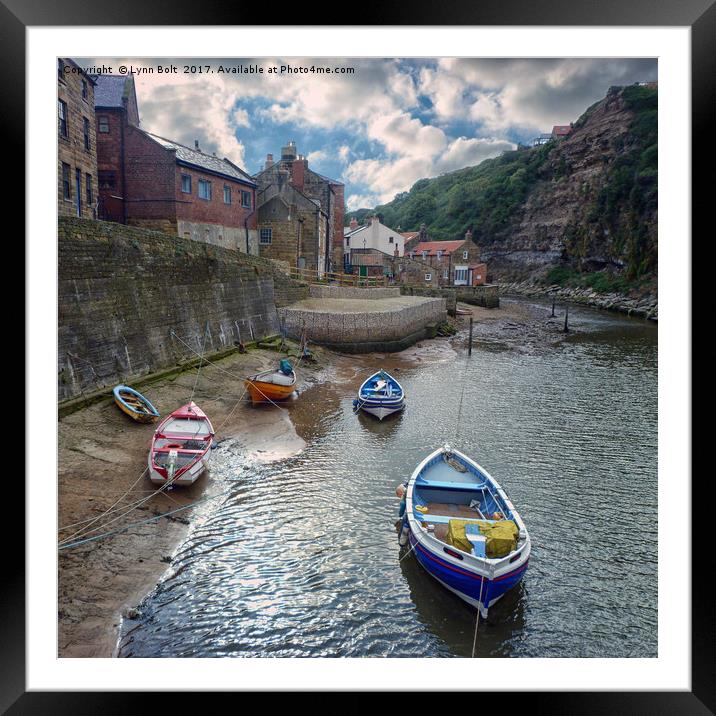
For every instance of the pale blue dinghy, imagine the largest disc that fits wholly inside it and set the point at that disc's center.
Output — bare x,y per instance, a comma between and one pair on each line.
463,528
380,395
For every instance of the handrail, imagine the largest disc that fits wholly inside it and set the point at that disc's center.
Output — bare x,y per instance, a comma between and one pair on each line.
342,279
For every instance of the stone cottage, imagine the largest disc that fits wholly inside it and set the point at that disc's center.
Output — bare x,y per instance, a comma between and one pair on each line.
76,142
325,193
457,263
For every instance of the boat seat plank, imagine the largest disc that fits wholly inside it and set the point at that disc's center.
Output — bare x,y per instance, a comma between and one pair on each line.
450,485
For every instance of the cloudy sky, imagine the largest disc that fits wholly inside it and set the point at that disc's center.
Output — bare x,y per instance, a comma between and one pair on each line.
380,128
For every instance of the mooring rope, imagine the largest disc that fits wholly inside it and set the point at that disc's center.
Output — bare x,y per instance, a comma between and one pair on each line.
201,361
477,621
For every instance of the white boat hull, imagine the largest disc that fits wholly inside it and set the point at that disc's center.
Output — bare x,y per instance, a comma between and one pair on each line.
382,412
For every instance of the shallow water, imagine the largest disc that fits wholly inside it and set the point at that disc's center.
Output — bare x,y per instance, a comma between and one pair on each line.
301,558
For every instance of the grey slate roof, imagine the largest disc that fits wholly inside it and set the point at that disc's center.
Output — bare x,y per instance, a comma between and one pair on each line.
109,90
203,161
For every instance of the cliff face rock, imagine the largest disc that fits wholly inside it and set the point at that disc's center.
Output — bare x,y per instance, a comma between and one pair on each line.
593,204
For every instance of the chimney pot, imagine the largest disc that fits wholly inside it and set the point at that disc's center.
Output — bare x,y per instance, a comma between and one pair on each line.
196,144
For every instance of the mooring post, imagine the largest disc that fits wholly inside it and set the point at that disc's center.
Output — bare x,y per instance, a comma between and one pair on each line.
566,318
469,340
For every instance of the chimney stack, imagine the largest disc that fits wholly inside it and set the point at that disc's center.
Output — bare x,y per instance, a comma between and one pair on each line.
354,224
468,235
269,161
196,145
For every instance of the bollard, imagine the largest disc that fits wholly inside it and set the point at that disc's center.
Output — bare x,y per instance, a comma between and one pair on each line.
469,341
566,318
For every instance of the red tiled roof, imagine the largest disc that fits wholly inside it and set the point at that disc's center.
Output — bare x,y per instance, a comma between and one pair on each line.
410,234
432,247
560,129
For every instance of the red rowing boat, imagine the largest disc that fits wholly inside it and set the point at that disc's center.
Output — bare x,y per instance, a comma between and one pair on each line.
181,446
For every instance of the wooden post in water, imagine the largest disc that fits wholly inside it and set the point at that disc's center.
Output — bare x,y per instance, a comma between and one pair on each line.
566,318
469,340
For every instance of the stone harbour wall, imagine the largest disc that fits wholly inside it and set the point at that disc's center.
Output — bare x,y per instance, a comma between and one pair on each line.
123,292
382,330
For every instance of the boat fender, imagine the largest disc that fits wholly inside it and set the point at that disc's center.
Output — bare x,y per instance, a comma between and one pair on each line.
403,539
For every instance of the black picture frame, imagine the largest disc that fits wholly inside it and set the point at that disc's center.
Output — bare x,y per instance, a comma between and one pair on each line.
700,15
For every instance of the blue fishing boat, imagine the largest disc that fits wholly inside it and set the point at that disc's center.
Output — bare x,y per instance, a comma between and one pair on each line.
134,404
380,395
463,528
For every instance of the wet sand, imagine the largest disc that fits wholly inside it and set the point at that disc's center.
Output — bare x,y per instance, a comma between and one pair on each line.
102,454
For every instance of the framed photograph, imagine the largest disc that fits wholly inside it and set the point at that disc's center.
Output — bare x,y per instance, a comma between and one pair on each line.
346,327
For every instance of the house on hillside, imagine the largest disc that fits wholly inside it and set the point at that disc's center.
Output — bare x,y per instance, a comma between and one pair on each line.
542,139
413,238
457,263
76,142
561,130
325,193
156,183
372,235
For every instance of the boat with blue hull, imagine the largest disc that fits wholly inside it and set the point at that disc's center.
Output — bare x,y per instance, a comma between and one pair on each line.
380,395
464,530
134,404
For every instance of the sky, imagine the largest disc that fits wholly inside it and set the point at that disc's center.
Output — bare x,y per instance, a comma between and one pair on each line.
379,128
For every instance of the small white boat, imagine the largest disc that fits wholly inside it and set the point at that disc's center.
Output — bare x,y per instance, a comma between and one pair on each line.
380,395
465,531
181,446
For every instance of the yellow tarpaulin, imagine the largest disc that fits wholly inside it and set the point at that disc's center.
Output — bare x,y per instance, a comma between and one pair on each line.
501,537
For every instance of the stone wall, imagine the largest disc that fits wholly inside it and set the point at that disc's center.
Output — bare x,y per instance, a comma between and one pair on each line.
380,330
353,292
487,296
123,290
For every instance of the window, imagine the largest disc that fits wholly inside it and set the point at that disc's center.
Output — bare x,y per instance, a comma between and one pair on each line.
246,199
440,254
88,186
265,236
86,132
460,275
204,189
62,114
84,89
428,277
465,254
107,180
60,68
425,254
186,183
348,240
446,273
227,194
103,124
66,191
390,239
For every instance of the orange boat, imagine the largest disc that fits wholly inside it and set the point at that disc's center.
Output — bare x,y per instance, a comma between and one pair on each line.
272,385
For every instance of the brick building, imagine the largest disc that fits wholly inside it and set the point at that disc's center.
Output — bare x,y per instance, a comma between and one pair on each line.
150,181
327,194
76,142
457,263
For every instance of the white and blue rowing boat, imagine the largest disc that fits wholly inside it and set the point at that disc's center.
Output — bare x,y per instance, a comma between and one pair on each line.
380,395
463,528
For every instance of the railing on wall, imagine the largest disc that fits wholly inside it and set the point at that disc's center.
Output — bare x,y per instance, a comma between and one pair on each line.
339,279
